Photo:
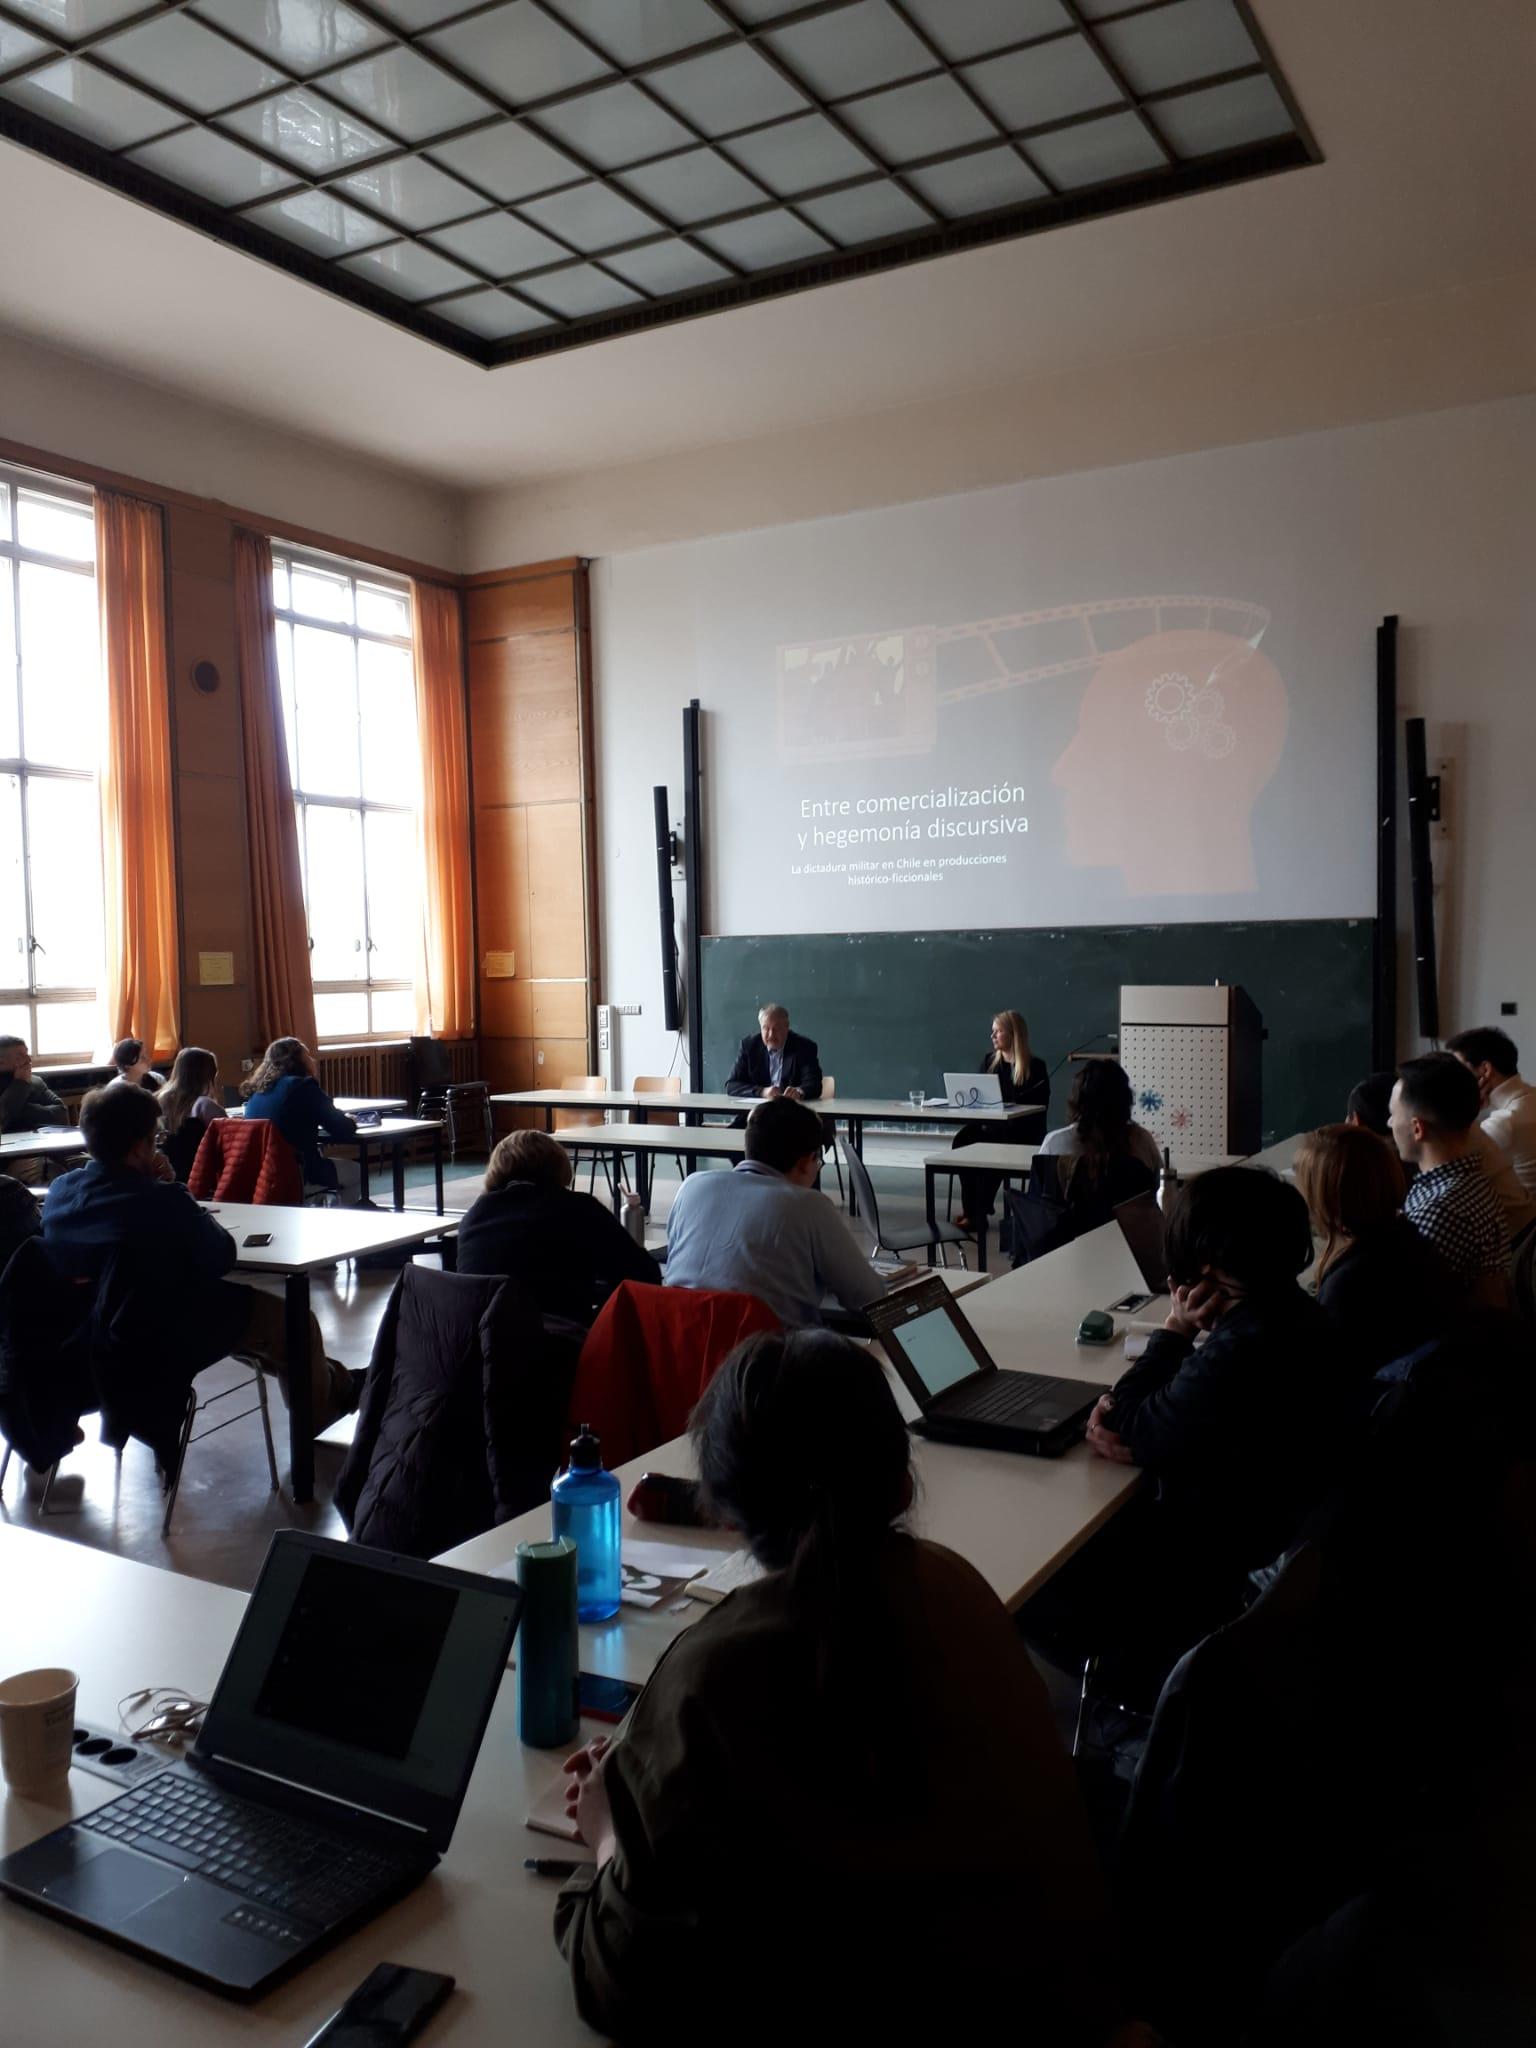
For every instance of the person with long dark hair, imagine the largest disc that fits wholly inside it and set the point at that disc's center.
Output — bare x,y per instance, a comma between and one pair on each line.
286,1089
1102,1133
841,1796
189,1103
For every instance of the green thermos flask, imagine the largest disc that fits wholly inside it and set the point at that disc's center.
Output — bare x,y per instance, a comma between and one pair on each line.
547,1713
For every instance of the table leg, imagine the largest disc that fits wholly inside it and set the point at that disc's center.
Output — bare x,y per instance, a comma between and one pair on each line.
362,1176
301,1415
981,1244
437,1166
397,1168
930,1183
855,1144
549,1119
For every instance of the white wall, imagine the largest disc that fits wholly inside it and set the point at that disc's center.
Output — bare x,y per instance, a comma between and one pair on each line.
66,406
1432,517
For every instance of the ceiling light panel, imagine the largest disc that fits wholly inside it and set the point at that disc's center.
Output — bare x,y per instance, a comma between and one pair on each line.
507,177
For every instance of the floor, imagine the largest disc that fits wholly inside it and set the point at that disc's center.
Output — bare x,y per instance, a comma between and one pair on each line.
226,1512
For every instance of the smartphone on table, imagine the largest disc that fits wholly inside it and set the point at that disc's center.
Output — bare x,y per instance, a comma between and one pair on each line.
389,2008
660,1497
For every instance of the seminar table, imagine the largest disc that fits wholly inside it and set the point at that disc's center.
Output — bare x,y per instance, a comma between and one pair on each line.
480,1917
391,1135
306,1241
1017,1519
617,1140
50,1144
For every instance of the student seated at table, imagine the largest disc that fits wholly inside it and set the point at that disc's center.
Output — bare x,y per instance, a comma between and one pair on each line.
133,1067
127,1199
1022,1078
565,1250
26,1104
286,1089
1370,1103
19,1216
765,1229
1102,1136
1239,1409
840,1809
1451,1203
1508,1102
189,1103
1384,1290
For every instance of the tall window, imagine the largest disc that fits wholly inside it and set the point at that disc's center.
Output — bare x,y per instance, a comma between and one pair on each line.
51,732
349,710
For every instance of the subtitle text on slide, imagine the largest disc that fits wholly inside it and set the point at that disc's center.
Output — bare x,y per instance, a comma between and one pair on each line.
903,821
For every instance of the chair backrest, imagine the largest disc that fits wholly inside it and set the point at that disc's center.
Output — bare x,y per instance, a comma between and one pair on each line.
649,1356
863,1191
246,1159
580,1084
431,1063
45,1378
659,1084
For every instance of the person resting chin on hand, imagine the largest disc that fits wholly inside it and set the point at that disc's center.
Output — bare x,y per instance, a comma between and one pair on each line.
1238,1409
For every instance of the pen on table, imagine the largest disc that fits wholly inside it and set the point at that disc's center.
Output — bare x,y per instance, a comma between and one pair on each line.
555,1866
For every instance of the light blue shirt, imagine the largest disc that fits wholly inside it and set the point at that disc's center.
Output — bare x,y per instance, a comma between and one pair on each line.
752,1231
776,1065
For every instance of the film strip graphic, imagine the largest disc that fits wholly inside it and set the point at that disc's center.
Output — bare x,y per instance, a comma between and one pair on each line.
1106,626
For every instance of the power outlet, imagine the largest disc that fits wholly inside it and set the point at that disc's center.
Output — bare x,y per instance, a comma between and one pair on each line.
1509,1009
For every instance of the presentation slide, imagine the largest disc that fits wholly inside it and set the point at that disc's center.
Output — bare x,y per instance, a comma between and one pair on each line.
1143,695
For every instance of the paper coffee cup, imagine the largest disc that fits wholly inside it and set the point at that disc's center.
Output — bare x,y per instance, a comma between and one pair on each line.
37,1728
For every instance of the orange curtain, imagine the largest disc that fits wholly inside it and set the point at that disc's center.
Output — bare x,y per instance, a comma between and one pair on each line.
445,979
283,993
138,832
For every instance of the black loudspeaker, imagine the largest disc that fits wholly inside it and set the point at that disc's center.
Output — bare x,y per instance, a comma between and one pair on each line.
664,899
1423,809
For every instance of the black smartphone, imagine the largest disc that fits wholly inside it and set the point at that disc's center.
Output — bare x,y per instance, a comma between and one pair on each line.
1128,1304
605,1699
390,2006
253,1239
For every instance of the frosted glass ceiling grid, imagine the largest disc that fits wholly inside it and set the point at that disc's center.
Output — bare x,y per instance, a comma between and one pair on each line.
511,177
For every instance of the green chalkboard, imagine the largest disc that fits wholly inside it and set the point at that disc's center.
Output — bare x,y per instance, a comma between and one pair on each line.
891,1011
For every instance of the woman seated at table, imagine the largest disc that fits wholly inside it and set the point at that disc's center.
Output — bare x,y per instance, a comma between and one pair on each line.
286,1089
1382,1286
840,1809
566,1250
1102,1151
1023,1078
189,1103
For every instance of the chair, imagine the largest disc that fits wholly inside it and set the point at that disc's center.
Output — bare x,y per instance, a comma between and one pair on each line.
658,1084
463,1415
439,1095
195,1407
46,1383
650,1355
829,1137
586,1119
918,1237
246,1159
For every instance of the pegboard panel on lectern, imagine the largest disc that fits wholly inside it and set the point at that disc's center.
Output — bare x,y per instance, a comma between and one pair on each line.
1179,1073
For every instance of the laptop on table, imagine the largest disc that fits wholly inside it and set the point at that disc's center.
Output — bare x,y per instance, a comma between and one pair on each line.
973,1091
326,1781
1142,1227
964,1397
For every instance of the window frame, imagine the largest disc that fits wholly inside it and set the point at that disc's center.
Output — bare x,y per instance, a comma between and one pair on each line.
293,556
14,479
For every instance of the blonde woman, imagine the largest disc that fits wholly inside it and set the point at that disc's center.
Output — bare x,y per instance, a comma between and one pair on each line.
189,1102
1023,1078
1382,1286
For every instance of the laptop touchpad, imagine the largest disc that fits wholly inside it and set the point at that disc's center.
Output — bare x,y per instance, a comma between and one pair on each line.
112,1887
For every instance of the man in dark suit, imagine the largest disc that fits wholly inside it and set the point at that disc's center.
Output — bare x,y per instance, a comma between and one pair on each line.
776,1061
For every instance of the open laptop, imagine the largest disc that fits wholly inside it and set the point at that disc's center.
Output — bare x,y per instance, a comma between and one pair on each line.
973,1091
1142,1227
326,1781
964,1397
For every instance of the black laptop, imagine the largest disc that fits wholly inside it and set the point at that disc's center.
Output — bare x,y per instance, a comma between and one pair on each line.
1142,1227
326,1781
963,1396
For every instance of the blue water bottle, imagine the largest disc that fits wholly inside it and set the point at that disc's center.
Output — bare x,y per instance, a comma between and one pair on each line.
586,1504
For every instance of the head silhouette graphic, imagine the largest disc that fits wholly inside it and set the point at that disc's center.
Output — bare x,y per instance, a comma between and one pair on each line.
1176,736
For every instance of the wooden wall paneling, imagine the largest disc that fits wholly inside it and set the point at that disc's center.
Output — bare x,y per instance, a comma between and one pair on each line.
501,611
556,893
559,1009
501,867
555,1058
525,718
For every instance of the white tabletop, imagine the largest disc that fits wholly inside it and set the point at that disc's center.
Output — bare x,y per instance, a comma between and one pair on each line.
40,1144
353,1103
717,1140
390,1130
303,1239
1281,1156
480,1917
1015,1159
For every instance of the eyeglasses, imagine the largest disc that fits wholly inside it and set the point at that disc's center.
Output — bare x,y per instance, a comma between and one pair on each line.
161,1713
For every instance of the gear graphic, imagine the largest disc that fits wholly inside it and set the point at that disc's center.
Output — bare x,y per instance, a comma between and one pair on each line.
1181,734
1169,697
1207,707
1217,741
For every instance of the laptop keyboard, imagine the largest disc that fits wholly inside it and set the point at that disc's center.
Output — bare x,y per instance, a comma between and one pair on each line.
998,1394
276,1859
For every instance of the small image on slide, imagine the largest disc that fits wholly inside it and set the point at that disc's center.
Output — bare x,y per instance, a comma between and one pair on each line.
859,697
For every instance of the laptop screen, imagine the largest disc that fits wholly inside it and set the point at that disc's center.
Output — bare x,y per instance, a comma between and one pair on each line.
936,1350
1141,1225
364,1676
